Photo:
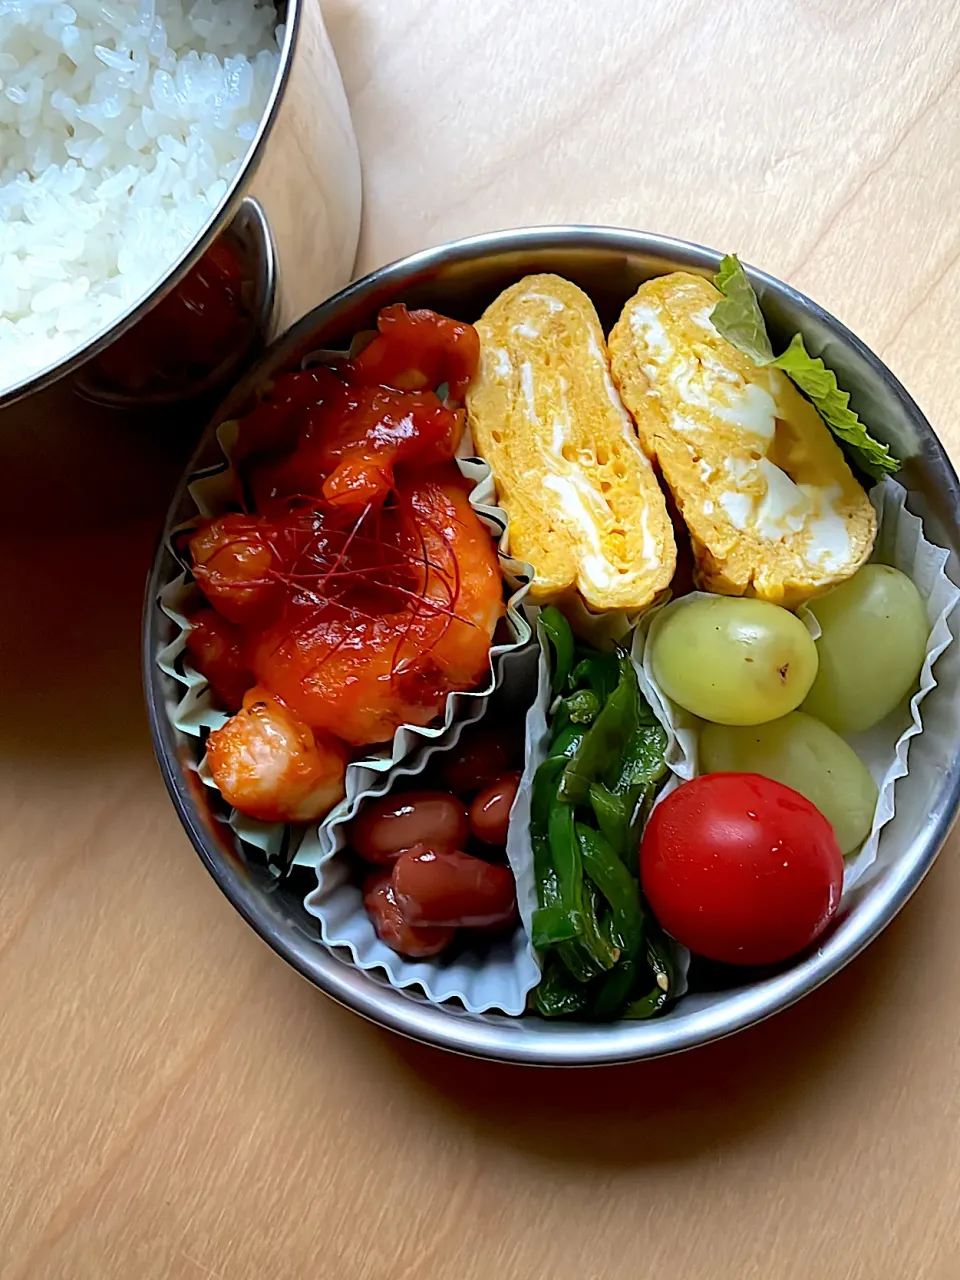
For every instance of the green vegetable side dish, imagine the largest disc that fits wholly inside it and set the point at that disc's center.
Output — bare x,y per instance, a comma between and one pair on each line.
738,318
604,956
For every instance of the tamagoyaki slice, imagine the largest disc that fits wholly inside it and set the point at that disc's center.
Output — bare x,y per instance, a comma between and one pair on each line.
585,507
772,507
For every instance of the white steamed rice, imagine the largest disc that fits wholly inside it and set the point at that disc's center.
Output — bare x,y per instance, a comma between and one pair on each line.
122,123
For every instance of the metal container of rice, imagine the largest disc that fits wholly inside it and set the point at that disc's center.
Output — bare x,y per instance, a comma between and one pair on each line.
151,239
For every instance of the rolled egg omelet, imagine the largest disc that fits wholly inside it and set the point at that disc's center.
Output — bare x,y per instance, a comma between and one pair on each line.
584,504
772,508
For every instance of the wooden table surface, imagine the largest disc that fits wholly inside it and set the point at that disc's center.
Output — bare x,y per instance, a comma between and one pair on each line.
175,1101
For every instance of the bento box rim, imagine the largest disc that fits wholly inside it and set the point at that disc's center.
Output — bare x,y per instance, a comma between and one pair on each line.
529,1040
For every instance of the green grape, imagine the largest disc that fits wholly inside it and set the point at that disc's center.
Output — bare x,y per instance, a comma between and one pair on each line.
733,661
871,650
803,754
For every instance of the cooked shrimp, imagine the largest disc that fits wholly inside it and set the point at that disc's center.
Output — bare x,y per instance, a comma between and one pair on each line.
381,430
383,631
267,763
215,647
414,350
274,425
233,560
351,440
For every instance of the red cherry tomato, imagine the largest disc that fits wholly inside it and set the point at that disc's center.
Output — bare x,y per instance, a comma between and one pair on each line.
490,811
215,649
478,759
388,920
447,887
741,869
385,827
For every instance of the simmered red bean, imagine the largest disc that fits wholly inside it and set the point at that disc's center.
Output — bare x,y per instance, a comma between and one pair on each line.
478,759
411,940
452,888
490,810
385,827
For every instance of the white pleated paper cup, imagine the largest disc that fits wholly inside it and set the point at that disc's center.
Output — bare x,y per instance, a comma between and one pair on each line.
494,976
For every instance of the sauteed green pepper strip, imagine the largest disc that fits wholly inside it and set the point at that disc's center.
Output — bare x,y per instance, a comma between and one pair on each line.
558,919
557,630
566,917
616,884
598,672
622,892
558,994
603,956
599,756
618,811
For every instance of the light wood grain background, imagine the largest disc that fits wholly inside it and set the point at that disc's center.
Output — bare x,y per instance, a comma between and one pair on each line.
175,1102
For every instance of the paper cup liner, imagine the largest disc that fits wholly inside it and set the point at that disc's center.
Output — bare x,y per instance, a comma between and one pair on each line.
884,749
216,490
489,977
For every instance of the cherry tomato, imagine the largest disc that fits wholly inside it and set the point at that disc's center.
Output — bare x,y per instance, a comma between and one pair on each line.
490,811
447,887
478,759
741,869
215,649
385,827
406,939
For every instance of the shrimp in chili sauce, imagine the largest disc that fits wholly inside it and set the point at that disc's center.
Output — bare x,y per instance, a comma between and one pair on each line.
361,589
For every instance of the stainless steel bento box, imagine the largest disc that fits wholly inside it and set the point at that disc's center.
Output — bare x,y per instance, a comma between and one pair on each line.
460,278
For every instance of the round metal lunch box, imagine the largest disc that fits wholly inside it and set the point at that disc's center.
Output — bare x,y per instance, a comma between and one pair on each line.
460,278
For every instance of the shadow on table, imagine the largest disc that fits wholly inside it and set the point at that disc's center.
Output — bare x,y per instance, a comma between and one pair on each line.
83,503
676,1108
